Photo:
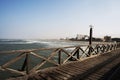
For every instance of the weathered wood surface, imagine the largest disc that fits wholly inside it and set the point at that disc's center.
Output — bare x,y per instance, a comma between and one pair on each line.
76,53
94,68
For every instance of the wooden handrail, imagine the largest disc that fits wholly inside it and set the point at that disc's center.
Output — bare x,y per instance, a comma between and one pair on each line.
76,53
40,49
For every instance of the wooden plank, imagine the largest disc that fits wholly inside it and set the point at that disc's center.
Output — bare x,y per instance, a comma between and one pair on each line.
33,50
26,64
93,50
59,58
1,68
43,62
54,77
62,73
83,52
74,69
13,60
71,55
15,71
66,72
40,49
44,58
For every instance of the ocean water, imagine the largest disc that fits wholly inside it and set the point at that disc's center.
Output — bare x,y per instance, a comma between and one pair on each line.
18,44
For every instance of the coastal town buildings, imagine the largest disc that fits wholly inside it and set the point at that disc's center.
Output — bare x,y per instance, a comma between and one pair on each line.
80,37
107,39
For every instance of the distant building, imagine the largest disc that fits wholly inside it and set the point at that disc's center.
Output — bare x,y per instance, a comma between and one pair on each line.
67,38
107,38
96,39
81,37
62,39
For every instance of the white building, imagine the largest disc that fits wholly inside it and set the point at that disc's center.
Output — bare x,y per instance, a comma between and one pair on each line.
81,37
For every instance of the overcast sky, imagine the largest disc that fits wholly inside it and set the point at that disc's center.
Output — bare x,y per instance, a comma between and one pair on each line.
50,19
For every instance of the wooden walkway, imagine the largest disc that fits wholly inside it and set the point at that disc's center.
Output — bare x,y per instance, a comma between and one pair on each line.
102,67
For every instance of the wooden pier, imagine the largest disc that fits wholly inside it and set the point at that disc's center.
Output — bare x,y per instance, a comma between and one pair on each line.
100,61
97,68
83,62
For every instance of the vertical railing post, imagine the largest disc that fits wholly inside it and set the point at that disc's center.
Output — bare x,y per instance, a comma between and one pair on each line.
59,57
107,47
90,41
77,52
118,45
110,47
103,48
97,49
26,64
115,46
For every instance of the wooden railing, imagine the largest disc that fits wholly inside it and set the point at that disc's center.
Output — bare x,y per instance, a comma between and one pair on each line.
55,56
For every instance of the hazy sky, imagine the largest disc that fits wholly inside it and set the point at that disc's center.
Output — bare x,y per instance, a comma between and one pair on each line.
44,19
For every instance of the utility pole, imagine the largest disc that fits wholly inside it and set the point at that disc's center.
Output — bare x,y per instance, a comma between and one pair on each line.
90,40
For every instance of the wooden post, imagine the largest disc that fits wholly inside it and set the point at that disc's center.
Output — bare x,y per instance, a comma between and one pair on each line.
77,52
108,47
59,57
90,41
97,49
26,64
90,38
103,49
